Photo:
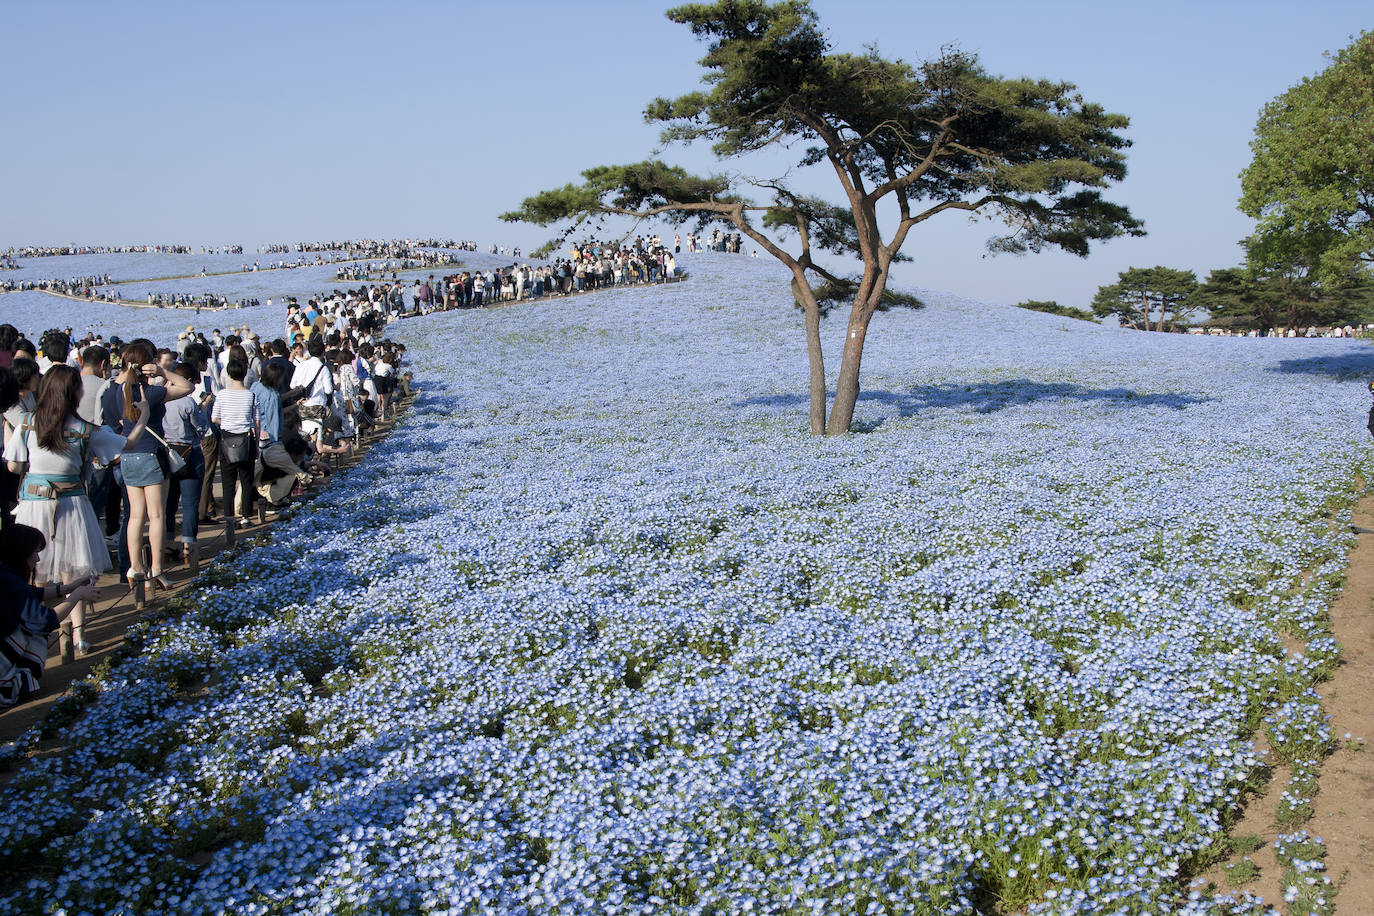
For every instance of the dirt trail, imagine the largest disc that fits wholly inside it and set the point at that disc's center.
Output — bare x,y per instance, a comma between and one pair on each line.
115,611
1344,808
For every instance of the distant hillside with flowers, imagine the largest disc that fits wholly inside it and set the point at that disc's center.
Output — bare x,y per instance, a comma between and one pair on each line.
601,629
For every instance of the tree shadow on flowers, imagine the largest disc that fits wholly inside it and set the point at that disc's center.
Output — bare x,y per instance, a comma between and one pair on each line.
987,397
1342,367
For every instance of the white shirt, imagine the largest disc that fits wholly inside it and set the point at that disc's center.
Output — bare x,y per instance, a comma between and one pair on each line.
321,386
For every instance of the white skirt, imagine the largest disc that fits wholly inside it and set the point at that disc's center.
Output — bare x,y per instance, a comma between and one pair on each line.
76,548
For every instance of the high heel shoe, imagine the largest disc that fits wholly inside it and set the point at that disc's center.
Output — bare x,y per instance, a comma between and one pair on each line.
79,644
134,576
160,578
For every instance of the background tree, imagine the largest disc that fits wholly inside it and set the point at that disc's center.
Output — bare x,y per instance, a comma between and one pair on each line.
1286,299
1050,307
1142,295
913,140
1311,184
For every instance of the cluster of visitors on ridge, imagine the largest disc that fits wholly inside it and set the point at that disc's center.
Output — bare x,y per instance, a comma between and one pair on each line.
76,286
212,301
52,251
106,438
1349,330
730,242
370,248
356,272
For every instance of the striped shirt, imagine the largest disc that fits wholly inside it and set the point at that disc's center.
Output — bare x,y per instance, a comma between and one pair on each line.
236,410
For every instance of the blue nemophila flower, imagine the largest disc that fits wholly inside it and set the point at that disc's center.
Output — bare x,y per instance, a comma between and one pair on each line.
600,628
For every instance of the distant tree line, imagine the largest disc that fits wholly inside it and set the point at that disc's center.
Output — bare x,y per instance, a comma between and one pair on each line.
1310,188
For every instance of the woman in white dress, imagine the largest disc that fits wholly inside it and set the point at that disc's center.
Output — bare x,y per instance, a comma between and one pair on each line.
52,449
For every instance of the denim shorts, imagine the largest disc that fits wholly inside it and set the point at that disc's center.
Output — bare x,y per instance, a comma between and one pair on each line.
141,469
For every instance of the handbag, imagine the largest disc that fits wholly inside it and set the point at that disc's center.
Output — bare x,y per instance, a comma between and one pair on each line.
238,448
175,461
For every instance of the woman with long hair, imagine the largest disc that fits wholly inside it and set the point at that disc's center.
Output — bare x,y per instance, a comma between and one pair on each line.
52,449
144,466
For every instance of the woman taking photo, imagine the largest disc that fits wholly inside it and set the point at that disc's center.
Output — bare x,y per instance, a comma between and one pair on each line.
144,465
51,449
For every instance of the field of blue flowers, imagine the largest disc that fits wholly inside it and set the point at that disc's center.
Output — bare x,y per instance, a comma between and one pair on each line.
600,628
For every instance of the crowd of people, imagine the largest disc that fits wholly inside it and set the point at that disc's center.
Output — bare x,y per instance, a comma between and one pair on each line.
109,441
211,301
370,248
50,251
301,261
76,286
1349,330
421,260
729,242
90,289
517,282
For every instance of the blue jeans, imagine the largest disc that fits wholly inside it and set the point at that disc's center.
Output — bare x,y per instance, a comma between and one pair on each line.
185,492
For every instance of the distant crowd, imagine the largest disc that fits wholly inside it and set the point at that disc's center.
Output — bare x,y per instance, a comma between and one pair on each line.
210,301
1349,330
371,248
589,265
90,289
730,242
419,261
76,286
50,251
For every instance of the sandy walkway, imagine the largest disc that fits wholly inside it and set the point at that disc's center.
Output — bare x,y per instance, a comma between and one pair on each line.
1343,810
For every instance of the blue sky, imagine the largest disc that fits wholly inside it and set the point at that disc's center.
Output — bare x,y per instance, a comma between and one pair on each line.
249,122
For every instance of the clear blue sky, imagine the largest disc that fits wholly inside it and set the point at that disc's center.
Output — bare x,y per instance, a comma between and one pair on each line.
246,122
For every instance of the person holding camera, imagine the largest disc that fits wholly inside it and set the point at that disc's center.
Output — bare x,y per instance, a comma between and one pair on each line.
144,467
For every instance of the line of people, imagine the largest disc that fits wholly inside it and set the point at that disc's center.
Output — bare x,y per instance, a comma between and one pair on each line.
356,272
104,440
52,251
75,286
370,248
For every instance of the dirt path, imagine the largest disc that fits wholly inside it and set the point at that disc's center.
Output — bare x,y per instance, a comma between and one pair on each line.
115,612
1343,810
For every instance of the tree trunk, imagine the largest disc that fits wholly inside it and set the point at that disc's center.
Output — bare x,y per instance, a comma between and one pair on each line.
811,312
847,386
